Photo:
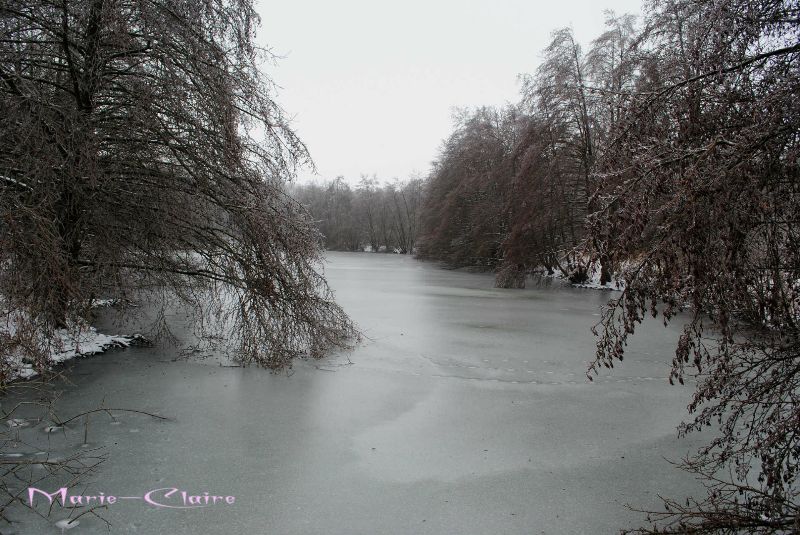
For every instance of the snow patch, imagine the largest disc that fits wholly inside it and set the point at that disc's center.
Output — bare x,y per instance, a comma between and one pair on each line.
66,524
593,282
66,344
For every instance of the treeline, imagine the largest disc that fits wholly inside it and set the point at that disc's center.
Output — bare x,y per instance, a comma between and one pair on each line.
368,217
511,187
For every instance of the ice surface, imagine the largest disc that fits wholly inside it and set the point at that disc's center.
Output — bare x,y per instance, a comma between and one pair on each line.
466,410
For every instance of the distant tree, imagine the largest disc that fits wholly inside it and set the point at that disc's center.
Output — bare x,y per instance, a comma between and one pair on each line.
544,207
611,67
381,217
463,220
127,164
698,194
405,199
386,227
368,199
337,219
571,105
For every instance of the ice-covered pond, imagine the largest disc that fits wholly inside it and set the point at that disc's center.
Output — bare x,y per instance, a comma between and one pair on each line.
466,410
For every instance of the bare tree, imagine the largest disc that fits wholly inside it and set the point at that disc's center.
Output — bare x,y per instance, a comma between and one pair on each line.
127,164
698,191
464,217
405,199
573,102
367,199
551,164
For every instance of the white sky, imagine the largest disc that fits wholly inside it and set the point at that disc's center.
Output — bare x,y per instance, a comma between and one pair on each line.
371,85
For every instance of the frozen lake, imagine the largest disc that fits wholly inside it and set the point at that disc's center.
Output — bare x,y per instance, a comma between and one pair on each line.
466,410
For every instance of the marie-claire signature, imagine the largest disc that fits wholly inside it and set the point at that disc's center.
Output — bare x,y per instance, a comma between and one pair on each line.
167,497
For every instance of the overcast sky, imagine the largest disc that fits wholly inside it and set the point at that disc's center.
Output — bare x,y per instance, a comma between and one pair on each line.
371,85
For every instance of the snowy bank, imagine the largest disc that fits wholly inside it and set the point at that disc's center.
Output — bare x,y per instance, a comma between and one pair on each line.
65,344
